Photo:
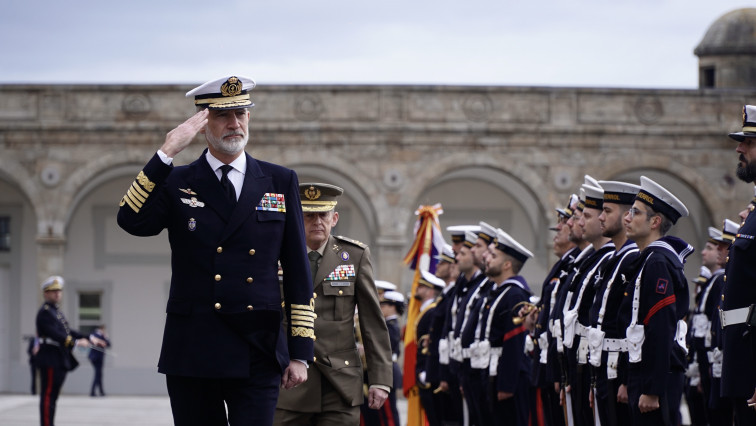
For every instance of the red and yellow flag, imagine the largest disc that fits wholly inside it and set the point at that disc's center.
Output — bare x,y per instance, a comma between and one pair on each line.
421,256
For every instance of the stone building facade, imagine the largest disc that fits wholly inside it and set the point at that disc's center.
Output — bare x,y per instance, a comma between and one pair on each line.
504,155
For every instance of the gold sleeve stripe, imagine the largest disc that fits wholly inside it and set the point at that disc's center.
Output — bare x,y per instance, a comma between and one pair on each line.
302,307
133,199
306,324
304,313
139,190
302,318
303,332
131,204
145,181
134,193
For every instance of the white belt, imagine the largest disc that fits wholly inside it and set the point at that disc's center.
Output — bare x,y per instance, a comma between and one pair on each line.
733,316
581,330
48,341
465,353
615,345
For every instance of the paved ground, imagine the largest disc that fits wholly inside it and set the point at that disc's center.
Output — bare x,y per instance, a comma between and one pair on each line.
77,410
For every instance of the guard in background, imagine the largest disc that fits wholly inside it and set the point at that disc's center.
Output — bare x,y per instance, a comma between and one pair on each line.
429,288
392,306
97,358
56,343
739,296
654,306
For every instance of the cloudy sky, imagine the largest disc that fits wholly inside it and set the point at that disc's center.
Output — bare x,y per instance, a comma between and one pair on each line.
593,43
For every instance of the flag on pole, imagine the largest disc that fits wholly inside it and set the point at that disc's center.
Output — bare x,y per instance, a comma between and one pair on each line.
429,242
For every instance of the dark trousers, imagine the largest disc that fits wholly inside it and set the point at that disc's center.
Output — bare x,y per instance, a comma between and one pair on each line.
611,412
200,401
580,390
97,381
451,404
474,387
51,380
513,411
553,413
432,412
742,413
34,370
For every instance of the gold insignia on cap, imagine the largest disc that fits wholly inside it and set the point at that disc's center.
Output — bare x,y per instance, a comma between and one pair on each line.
312,193
745,116
231,87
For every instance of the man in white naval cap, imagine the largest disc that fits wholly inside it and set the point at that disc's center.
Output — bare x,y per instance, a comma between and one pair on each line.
230,219
654,307
508,372
739,297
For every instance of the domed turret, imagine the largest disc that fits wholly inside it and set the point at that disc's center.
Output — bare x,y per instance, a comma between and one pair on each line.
727,53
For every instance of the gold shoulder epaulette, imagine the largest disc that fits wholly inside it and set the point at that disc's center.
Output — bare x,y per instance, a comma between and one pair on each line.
349,240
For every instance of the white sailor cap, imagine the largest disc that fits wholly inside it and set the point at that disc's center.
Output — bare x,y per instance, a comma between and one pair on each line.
487,232
505,243
228,92
619,192
581,200
385,285
594,197
590,180
730,230
715,236
661,200
703,276
470,239
447,254
749,124
392,296
429,280
457,232
568,210
54,282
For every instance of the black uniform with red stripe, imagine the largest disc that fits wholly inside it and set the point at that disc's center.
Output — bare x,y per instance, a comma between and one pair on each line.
55,357
664,301
513,365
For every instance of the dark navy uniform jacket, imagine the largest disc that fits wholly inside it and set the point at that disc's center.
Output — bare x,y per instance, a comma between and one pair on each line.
609,323
664,300
422,336
224,299
98,356
739,359
506,335
57,340
396,349
433,367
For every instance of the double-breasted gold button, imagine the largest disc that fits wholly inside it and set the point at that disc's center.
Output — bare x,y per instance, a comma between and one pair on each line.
217,277
346,362
249,307
217,306
341,292
252,252
219,249
249,280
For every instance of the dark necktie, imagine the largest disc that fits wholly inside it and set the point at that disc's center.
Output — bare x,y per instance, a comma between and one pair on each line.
228,187
314,256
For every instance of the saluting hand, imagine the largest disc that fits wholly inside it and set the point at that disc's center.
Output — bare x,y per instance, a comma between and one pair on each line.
180,137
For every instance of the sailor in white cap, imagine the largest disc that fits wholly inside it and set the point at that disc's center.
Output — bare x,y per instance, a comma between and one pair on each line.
446,268
739,366
655,306
392,307
57,341
617,199
579,299
509,366
231,219
707,297
427,292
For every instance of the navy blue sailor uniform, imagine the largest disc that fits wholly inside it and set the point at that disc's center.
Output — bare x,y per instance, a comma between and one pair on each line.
738,337
605,336
654,305
55,357
438,362
422,339
471,379
578,300
224,310
509,368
